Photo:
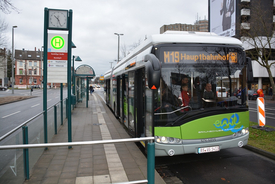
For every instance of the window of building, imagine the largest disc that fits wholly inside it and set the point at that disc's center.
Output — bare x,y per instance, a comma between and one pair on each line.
38,56
20,81
20,63
35,63
30,80
30,63
29,56
34,71
35,81
30,72
21,72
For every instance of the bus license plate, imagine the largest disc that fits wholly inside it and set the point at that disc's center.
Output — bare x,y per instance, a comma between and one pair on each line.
209,149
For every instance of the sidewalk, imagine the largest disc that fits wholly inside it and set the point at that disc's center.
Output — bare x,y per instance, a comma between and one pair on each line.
109,163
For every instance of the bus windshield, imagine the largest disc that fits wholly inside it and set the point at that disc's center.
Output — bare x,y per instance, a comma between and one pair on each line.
199,81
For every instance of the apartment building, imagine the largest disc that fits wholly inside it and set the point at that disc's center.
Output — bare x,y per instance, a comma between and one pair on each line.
28,68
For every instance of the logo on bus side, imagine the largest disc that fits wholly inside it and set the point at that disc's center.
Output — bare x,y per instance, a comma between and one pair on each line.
230,125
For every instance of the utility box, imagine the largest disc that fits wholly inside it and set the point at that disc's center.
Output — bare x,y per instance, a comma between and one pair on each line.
73,99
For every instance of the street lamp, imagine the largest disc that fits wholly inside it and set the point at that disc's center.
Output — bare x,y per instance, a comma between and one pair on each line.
13,59
118,45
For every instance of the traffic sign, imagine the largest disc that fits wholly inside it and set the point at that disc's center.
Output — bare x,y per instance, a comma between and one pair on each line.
57,42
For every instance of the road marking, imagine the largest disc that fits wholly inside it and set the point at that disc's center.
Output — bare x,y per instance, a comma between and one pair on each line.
35,105
11,114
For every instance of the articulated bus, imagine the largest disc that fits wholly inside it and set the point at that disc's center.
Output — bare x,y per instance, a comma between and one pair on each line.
167,88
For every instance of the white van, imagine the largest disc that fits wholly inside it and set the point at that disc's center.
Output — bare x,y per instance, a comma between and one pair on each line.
221,91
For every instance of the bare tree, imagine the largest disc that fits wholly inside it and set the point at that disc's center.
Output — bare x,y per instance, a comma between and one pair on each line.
6,6
3,27
259,41
126,50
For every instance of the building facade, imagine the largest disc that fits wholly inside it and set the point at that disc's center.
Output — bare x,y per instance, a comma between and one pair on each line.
250,15
198,26
28,68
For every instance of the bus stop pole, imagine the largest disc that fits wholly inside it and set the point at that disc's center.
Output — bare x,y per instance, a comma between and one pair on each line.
61,99
87,91
45,74
69,78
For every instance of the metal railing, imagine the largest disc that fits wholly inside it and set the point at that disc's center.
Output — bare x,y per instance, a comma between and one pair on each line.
150,151
30,130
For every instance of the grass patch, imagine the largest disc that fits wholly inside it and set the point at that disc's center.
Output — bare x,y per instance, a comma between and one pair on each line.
261,139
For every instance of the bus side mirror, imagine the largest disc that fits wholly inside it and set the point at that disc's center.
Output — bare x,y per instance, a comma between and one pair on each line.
249,70
153,71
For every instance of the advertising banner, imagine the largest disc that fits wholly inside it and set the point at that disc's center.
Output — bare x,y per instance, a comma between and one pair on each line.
223,17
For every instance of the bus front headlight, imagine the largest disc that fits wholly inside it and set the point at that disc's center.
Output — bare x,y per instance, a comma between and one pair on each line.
167,140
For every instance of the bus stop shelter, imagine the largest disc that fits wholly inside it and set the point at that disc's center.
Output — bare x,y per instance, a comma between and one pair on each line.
82,75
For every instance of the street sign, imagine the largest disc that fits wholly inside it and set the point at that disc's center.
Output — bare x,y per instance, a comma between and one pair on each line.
57,42
57,58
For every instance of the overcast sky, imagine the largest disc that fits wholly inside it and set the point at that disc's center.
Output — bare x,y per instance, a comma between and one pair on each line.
96,21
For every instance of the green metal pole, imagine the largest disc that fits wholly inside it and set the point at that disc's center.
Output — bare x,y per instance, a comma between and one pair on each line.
66,107
73,78
151,163
69,77
77,93
55,119
26,153
87,91
45,75
61,99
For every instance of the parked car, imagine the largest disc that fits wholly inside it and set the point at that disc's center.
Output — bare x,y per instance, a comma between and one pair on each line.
252,95
221,91
3,88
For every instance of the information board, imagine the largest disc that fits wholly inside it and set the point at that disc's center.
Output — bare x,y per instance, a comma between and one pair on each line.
57,58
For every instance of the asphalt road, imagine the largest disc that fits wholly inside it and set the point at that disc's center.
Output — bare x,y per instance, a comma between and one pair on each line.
14,114
236,165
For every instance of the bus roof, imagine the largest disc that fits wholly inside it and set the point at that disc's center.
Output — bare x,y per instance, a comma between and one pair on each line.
193,37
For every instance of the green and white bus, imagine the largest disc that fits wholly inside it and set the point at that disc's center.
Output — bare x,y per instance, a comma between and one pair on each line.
166,88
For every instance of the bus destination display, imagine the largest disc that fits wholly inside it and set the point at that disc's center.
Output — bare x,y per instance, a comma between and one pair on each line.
191,57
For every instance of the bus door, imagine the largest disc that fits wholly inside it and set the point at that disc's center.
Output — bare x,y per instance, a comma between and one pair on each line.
125,99
131,103
140,102
117,101
121,95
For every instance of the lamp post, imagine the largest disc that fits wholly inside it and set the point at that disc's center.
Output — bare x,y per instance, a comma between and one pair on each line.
77,59
13,59
118,45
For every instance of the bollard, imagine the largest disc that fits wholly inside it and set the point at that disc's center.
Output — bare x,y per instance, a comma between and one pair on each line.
151,162
55,119
26,153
